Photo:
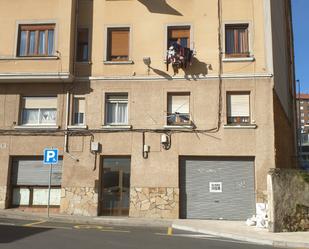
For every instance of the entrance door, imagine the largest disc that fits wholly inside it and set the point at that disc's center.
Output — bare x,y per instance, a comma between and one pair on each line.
115,194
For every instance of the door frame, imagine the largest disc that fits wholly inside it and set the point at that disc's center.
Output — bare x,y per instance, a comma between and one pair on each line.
100,185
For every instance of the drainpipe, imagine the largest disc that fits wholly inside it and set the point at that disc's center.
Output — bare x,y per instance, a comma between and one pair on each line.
66,122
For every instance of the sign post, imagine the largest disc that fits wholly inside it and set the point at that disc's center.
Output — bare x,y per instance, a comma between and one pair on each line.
50,158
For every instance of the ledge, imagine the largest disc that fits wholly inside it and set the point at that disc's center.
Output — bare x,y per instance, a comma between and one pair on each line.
251,126
240,59
30,58
178,127
77,127
36,127
36,77
117,127
118,62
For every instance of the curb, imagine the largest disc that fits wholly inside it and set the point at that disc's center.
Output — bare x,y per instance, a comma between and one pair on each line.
268,242
126,222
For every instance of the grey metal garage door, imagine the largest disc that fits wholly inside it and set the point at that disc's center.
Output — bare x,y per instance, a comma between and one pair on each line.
217,188
32,171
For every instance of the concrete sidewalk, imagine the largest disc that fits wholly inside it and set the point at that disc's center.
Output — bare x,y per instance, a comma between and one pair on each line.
237,230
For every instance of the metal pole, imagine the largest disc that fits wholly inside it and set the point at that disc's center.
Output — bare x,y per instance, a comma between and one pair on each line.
49,187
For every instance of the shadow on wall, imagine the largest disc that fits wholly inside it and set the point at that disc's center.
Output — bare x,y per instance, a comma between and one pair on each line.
193,72
197,69
160,7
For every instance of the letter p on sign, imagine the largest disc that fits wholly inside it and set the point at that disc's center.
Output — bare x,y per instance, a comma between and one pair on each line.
50,156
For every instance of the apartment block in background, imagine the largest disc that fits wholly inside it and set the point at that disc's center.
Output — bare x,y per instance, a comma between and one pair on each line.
164,109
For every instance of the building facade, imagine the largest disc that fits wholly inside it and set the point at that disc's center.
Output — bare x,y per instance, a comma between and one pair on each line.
302,104
169,109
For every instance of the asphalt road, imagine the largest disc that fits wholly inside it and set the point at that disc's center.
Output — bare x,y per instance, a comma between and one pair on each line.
23,234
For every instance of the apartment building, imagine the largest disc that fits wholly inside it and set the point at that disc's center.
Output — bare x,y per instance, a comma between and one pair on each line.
303,111
302,104
170,109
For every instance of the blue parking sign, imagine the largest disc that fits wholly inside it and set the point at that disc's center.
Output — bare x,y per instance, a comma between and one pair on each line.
50,156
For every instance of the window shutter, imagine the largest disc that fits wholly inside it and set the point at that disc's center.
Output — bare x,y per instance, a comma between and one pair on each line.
79,105
180,33
179,103
238,105
119,42
39,102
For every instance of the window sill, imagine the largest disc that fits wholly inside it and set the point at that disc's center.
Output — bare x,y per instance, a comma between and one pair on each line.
117,127
251,126
238,59
77,127
118,62
36,127
177,127
31,58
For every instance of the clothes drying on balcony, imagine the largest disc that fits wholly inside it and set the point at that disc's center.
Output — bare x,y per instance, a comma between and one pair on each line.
179,57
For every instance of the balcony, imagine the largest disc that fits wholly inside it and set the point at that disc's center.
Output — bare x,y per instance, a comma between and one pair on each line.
178,119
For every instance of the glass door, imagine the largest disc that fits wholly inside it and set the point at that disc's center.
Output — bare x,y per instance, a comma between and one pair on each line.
115,194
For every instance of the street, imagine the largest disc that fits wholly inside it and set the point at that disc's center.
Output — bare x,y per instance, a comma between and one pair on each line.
26,234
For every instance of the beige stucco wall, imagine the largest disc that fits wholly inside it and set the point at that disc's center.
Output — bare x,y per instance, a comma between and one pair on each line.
29,12
147,108
148,34
147,96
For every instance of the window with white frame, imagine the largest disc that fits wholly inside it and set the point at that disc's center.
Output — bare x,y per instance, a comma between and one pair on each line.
178,109
238,108
39,111
116,109
78,110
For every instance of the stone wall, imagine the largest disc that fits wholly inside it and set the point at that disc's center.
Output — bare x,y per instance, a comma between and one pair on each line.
288,200
154,202
2,197
79,201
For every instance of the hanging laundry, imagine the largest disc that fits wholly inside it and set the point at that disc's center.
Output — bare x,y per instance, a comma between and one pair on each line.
179,57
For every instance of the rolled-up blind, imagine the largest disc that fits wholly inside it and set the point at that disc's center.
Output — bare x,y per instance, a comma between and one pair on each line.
119,42
238,105
179,103
39,102
32,172
79,105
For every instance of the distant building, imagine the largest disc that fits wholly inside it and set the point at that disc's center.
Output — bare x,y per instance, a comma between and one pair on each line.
303,130
303,109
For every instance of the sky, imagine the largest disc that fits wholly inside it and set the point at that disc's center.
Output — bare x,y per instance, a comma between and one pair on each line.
301,42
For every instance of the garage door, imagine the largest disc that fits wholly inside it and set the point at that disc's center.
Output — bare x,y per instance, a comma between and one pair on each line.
217,188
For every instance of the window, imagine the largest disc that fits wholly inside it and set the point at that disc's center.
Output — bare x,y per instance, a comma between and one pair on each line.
36,40
116,109
30,180
180,35
39,110
78,110
178,109
238,108
118,44
237,40
302,114
82,53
